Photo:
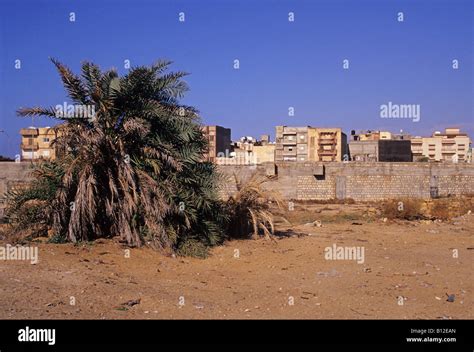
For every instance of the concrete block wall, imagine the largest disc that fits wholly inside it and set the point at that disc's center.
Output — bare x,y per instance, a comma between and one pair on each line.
363,181
12,175
320,181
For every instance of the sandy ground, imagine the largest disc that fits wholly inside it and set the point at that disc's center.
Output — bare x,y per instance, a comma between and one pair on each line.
286,278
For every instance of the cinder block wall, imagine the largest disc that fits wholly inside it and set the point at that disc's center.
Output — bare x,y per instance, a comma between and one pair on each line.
359,181
320,181
12,175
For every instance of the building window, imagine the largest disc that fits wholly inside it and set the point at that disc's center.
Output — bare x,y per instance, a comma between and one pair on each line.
46,139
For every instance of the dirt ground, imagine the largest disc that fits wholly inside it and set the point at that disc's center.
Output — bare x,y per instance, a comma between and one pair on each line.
287,278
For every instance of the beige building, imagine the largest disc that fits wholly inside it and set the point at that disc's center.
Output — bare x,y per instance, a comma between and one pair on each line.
249,152
219,142
308,143
385,135
450,146
264,153
36,143
370,135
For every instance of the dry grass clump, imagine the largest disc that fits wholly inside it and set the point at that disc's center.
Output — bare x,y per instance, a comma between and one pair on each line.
249,209
447,208
403,209
434,209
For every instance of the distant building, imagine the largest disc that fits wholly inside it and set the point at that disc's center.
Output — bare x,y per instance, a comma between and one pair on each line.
402,136
219,142
450,146
300,144
264,139
380,146
366,150
385,135
381,150
264,153
249,151
370,135
36,143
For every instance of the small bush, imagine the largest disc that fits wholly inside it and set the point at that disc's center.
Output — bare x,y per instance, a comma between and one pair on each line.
447,208
193,248
249,211
403,209
441,209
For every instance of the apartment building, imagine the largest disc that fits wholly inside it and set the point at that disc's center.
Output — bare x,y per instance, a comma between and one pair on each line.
370,135
450,146
301,144
379,146
381,150
264,153
219,142
36,143
249,151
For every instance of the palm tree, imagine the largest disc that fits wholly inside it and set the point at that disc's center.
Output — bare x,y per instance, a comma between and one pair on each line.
249,208
134,169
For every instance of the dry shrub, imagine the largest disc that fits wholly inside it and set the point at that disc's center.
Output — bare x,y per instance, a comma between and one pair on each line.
403,209
249,209
193,248
415,209
447,208
440,209
28,223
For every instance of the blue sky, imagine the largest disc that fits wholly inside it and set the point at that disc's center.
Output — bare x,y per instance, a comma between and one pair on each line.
282,64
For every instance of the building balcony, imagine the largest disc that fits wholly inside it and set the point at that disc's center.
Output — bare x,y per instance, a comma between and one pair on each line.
327,151
29,132
29,146
328,136
327,141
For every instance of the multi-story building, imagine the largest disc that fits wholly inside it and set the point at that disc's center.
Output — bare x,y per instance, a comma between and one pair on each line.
249,151
264,153
308,143
380,146
291,143
219,142
381,150
450,146
370,135
264,139
36,143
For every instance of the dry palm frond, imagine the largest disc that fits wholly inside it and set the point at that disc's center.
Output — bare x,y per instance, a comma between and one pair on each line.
249,208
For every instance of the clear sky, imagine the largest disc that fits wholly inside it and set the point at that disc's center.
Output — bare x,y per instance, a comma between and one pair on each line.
283,64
